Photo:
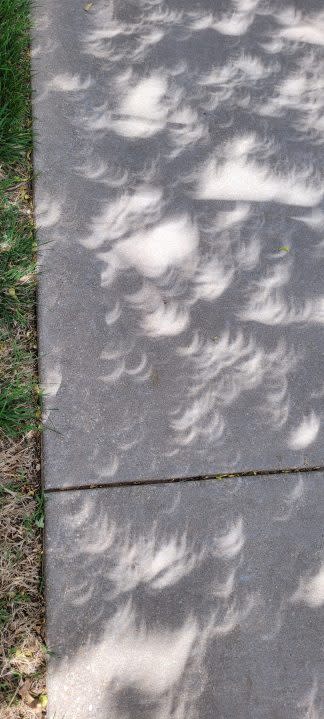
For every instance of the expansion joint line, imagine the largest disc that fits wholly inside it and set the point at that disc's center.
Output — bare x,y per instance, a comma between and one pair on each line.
177,480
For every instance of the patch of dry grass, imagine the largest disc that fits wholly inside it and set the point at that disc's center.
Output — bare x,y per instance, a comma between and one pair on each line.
22,649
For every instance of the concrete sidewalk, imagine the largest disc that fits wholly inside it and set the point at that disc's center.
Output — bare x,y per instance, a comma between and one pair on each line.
202,599
179,201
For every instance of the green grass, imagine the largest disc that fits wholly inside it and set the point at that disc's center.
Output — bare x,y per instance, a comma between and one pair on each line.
21,500
15,125
36,519
18,407
18,385
16,261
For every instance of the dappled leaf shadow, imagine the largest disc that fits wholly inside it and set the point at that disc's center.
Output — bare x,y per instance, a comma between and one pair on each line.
196,599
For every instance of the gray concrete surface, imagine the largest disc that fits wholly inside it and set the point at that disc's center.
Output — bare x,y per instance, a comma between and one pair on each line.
180,214
179,200
198,600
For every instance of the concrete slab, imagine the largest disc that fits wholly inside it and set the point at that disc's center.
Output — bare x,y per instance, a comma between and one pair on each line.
179,197
187,600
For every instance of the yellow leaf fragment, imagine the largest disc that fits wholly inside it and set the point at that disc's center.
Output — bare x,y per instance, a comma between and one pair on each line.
42,700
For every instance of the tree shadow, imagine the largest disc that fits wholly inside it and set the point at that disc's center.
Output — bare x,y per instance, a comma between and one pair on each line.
200,599
181,176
